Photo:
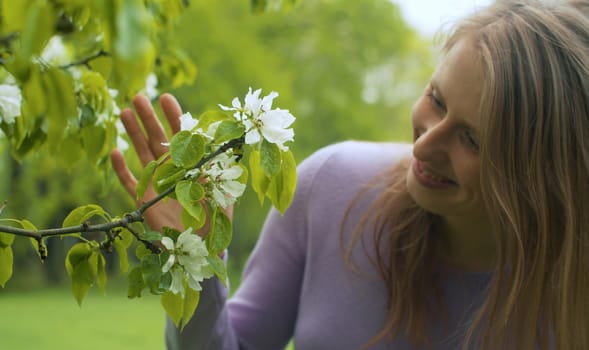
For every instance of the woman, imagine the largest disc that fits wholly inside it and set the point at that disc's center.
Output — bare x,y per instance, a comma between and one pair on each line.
479,231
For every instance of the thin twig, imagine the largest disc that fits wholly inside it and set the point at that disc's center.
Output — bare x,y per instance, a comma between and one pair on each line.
85,61
222,149
148,244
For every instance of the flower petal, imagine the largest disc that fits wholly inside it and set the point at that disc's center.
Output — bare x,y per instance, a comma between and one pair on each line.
252,137
267,101
168,265
187,239
278,117
232,173
187,122
168,243
177,278
233,188
221,198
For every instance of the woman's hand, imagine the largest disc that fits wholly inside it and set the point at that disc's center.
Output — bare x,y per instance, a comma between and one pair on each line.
148,146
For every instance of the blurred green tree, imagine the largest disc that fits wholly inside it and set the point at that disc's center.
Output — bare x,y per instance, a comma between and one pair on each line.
346,69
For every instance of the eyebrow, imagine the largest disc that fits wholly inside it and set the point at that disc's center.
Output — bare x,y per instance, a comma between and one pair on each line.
440,96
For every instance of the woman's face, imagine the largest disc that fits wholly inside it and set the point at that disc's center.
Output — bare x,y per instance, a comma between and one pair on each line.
444,174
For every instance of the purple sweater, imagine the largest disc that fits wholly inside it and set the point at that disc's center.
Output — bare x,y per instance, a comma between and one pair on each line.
296,284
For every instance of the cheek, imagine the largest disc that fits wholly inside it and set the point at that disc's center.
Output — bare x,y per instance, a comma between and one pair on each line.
471,173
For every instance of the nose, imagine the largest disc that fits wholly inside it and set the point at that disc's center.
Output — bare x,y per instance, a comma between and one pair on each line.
430,138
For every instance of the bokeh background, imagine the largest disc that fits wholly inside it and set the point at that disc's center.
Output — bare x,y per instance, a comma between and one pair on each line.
347,69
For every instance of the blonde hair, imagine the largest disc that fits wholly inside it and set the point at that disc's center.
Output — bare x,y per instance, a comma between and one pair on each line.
535,183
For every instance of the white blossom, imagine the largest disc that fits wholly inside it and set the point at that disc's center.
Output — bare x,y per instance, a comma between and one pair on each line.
55,52
151,86
222,176
261,121
189,123
122,144
10,101
187,261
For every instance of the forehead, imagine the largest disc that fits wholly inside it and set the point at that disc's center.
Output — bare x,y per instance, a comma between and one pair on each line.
459,80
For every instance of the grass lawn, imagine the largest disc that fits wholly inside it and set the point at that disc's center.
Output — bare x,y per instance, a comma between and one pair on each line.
51,319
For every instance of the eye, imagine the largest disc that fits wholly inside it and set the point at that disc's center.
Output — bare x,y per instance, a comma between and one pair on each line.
434,99
470,140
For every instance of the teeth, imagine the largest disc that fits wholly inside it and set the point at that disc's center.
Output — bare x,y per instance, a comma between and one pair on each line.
433,177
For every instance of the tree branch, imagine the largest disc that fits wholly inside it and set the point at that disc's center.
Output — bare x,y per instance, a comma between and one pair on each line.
85,61
125,221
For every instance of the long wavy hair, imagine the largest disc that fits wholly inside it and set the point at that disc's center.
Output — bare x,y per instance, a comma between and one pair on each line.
534,157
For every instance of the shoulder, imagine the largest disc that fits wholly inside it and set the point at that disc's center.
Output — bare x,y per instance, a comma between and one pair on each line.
334,174
352,161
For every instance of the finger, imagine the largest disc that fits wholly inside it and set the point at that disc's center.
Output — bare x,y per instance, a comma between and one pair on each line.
137,136
172,111
156,135
125,176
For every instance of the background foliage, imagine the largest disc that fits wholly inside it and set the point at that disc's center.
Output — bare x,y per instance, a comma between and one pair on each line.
346,69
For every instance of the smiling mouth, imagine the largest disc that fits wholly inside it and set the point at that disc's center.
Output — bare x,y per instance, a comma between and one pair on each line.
429,179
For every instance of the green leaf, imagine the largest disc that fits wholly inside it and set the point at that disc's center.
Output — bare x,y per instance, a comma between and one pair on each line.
6,239
259,181
282,187
191,299
141,251
93,137
171,232
14,17
145,178
151,236
166,175
220,235
180,310
151,271
100,271
121,243
70,150
33,93
210,117
6,261
165,281
229,130
131,27
190,221
189,195
77,253
35,244
174,306
82,279
186,149
270,158
136,284
81,270
38,27
218,267
61,104
82,214
25,224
